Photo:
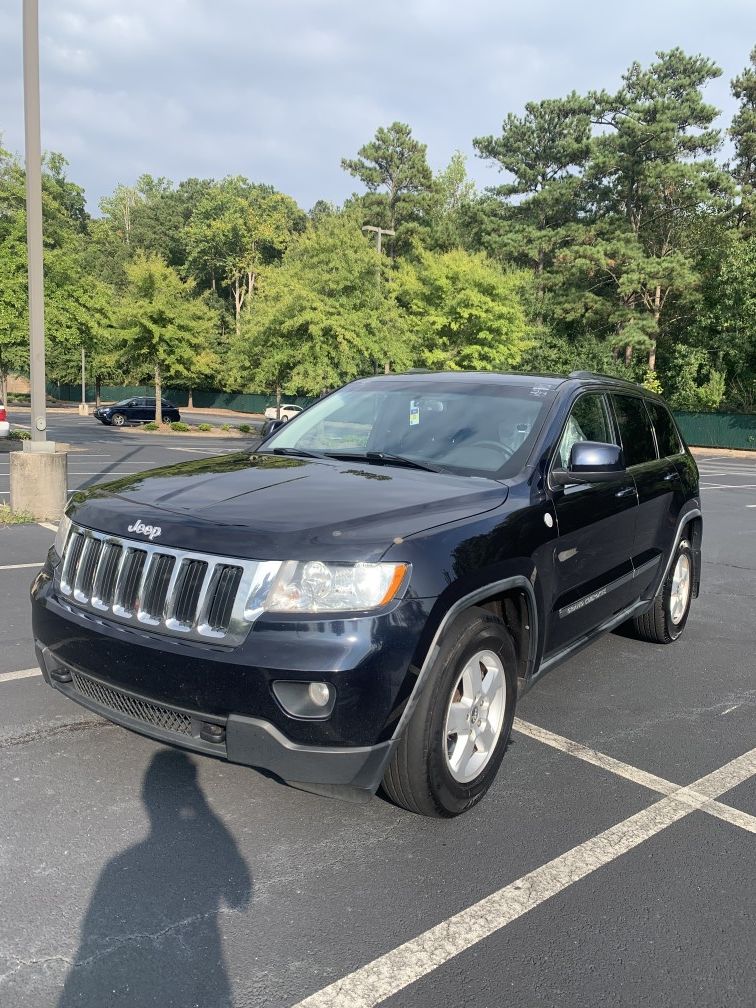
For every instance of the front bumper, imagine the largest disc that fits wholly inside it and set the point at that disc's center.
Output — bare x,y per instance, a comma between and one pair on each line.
173,690
239,739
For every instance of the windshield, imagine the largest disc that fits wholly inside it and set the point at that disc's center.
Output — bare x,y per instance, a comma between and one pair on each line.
471,428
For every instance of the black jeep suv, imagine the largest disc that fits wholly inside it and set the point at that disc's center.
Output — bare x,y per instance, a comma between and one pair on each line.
138,410
360,600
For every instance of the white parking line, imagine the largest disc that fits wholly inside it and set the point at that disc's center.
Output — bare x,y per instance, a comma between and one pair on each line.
18,566
731,815
392,972
26,673
728,486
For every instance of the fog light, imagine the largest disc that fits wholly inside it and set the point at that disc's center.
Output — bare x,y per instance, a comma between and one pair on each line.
319,693
305,699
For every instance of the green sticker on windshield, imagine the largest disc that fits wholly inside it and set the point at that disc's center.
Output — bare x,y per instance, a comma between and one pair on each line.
414,413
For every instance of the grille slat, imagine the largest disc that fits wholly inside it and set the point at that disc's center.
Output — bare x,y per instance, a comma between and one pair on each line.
188,591
134,707
128,581
156,587
166,590
90,554
103,590
222,596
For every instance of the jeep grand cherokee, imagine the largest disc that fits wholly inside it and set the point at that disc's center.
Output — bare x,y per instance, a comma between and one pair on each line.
360,600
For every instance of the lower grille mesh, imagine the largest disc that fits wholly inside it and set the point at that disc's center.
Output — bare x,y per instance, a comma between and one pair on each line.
140,710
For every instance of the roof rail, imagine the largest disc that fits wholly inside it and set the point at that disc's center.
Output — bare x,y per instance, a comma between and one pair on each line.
603,377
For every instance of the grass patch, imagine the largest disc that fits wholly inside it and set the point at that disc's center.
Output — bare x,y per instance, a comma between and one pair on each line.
205,427
8,517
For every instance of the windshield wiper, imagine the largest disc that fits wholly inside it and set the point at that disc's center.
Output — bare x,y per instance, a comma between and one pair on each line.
379,456
304,452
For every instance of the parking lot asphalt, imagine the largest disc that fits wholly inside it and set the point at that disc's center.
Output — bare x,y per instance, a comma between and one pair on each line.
612,862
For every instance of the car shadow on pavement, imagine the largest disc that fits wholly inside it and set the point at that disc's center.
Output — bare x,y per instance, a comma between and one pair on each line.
151,934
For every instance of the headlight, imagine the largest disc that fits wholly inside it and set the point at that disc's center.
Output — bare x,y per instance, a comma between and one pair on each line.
330,587
64,527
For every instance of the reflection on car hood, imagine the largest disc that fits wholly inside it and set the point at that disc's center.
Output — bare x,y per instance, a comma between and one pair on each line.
275,507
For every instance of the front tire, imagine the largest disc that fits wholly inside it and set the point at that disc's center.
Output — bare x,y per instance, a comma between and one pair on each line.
665,621
451,750
118,419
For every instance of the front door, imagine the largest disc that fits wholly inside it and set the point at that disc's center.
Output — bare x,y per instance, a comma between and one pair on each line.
593,571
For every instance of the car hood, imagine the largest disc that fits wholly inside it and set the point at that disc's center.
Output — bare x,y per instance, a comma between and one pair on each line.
266,507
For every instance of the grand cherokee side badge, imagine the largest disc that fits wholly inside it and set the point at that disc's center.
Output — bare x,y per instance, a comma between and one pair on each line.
150,531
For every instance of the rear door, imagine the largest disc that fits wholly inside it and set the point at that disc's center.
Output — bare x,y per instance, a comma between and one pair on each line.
657,482
596,525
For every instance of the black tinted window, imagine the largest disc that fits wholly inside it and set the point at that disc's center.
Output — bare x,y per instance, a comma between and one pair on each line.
666,433
588,421
635,429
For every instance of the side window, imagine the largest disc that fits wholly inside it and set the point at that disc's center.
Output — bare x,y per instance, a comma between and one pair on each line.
635,429
667,437
588,421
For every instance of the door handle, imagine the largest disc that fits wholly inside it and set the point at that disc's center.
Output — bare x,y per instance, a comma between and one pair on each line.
669,475
626,492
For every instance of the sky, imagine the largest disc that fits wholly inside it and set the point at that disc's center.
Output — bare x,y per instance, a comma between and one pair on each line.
281,91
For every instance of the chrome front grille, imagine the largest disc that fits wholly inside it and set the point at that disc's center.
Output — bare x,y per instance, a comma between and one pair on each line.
170,591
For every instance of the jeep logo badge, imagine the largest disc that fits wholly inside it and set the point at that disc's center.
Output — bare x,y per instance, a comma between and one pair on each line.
150,531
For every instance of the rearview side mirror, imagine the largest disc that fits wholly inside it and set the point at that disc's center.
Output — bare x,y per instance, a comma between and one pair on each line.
272,425
590,462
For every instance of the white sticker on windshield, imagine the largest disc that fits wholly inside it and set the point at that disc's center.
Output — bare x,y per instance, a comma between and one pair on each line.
539,390
414,413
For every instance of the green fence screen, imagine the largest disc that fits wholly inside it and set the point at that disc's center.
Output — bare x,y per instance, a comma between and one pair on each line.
209,400
718,430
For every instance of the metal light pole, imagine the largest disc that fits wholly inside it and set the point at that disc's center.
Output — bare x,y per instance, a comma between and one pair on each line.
38,474
33,151
379,233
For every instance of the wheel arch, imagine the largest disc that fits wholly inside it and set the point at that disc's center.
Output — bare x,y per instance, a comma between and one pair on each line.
513,600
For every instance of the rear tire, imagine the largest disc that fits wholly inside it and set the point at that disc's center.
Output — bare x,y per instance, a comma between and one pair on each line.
451,750
665,621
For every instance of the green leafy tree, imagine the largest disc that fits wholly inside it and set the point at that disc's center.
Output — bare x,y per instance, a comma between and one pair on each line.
743,133
323,317
651,172
235,231
466,312
451,196
394,169
160,329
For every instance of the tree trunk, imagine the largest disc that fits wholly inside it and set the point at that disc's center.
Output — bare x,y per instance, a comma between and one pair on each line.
278,401
190,401
98,386
158,395
628,354
238,291
657,313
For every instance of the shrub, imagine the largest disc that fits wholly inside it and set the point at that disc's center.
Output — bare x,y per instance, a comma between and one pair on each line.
205,427
20,435
179,425
152,426
8,517
226,427
244,428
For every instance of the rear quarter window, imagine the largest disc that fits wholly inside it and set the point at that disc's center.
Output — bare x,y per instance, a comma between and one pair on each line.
635,430
667,437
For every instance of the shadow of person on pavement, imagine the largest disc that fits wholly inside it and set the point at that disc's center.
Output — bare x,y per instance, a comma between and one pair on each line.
151,934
